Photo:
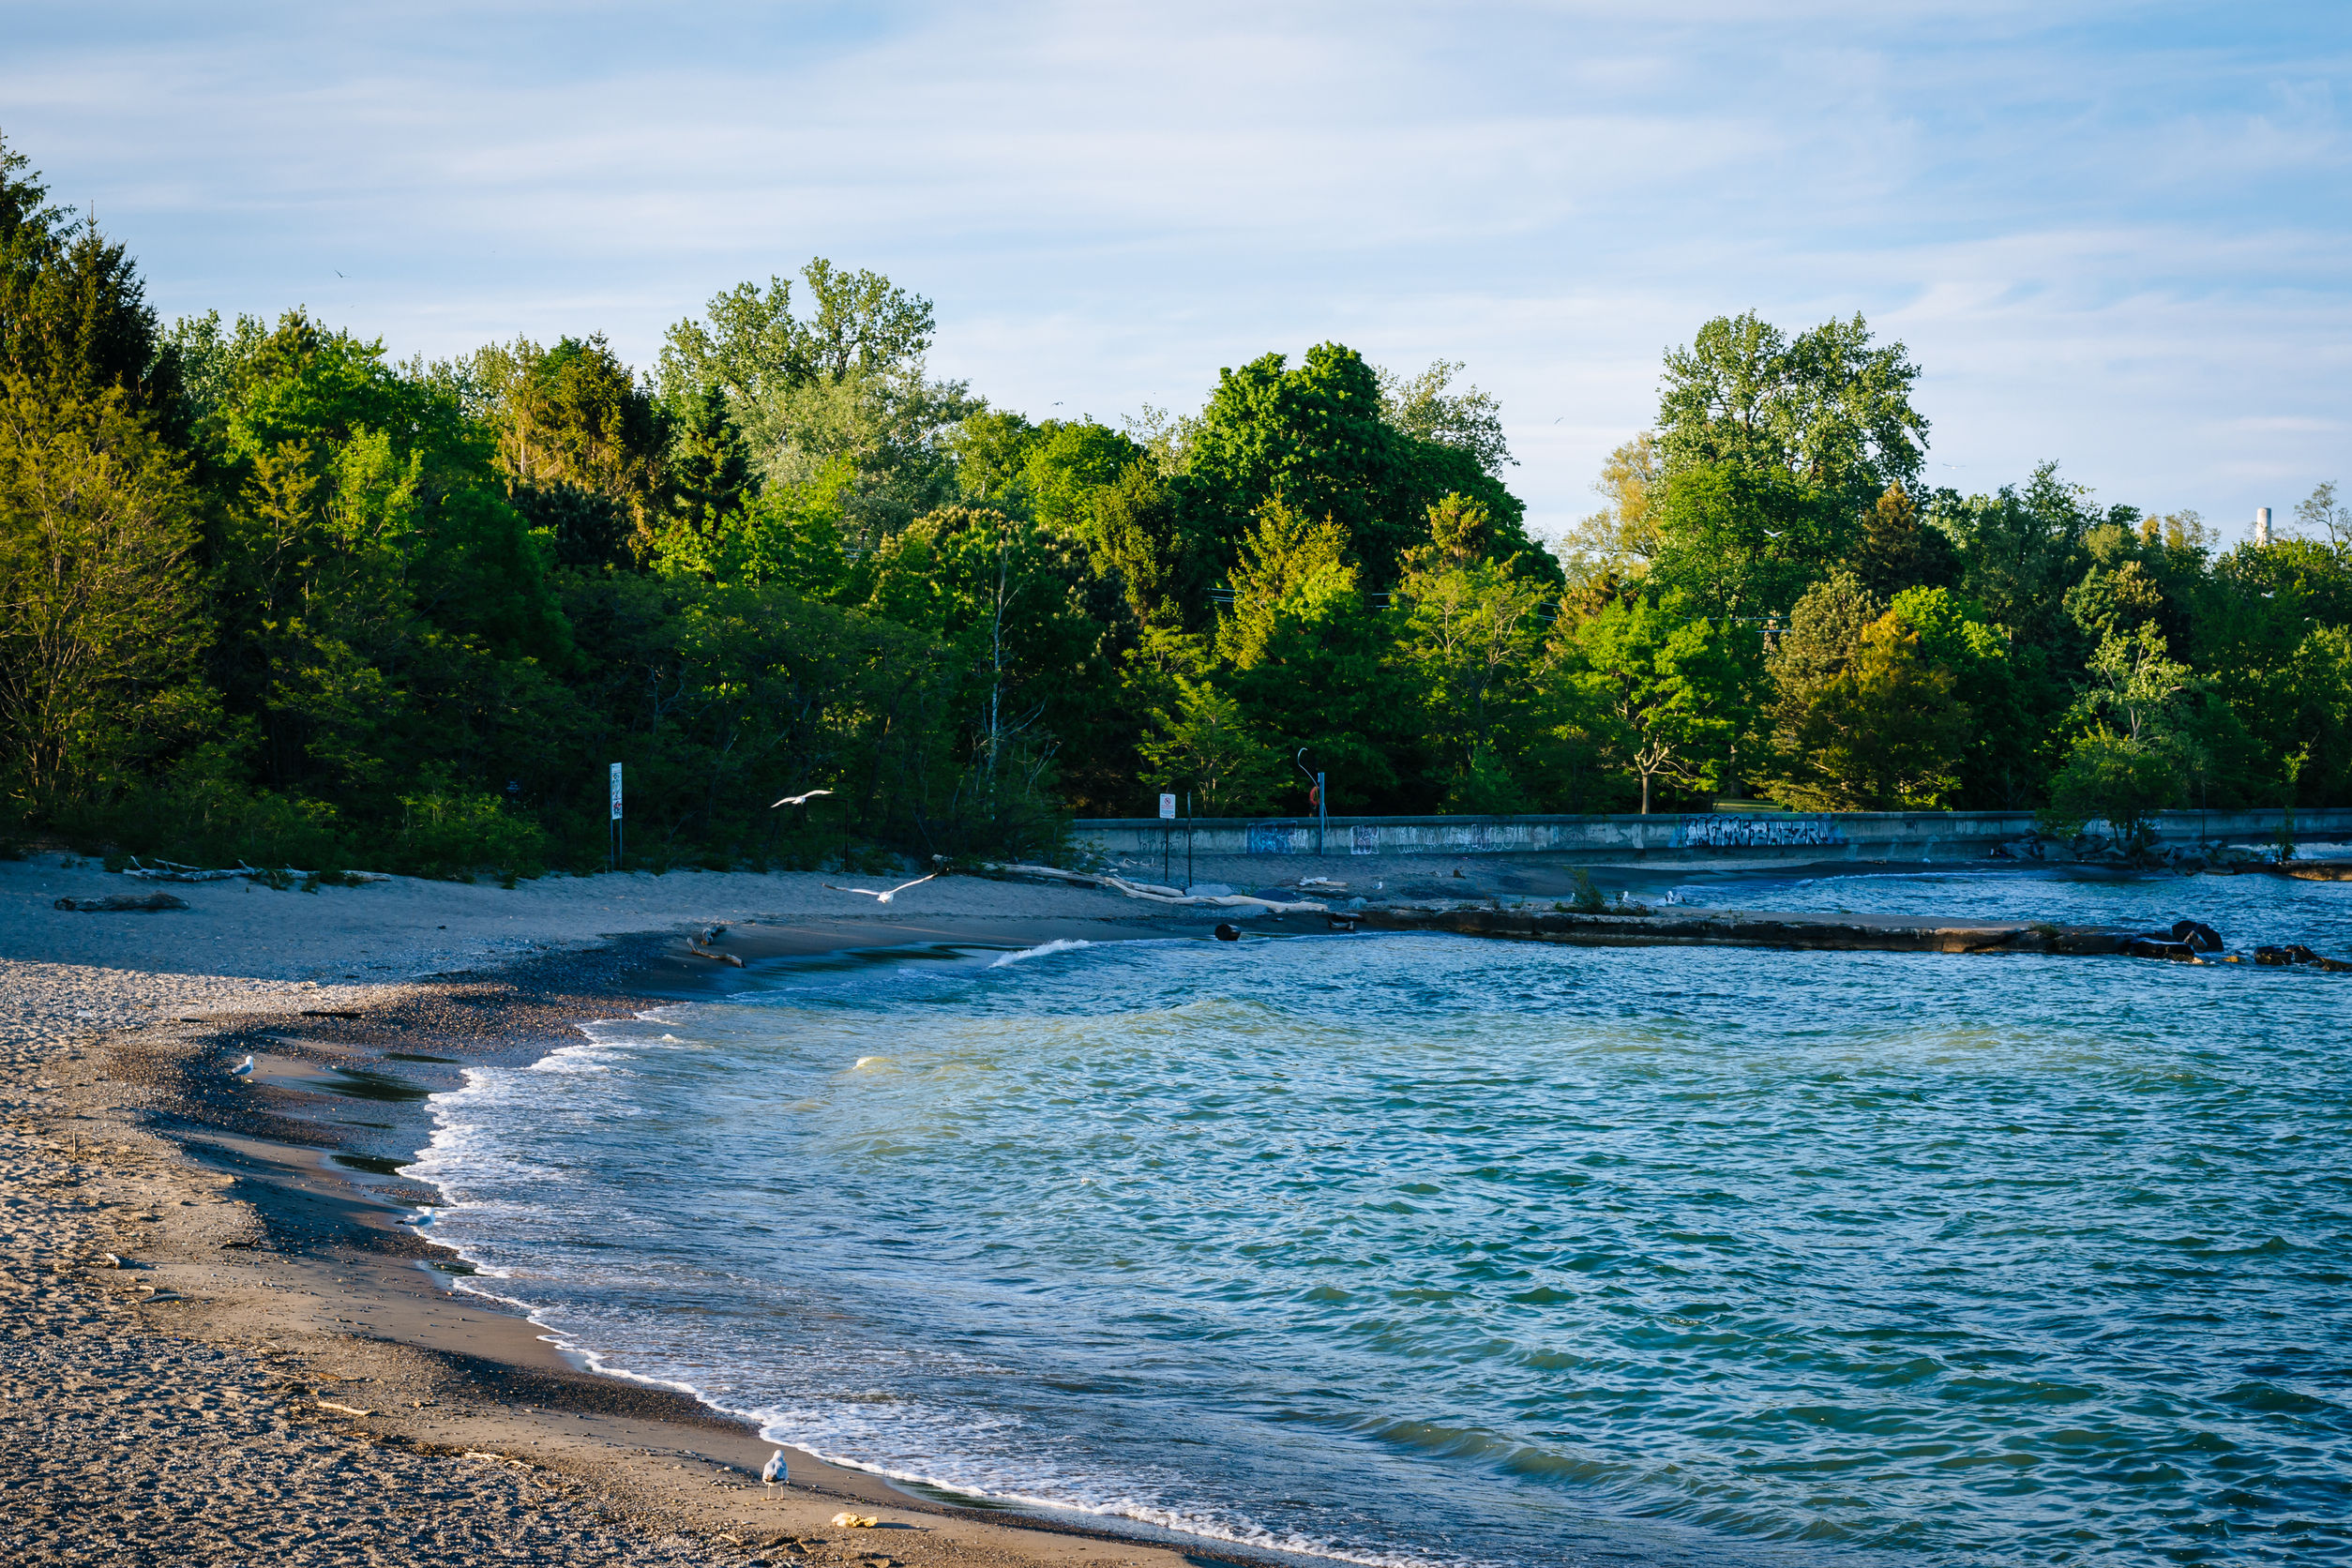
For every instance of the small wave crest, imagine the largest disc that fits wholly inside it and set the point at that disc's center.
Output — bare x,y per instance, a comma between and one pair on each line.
1060,944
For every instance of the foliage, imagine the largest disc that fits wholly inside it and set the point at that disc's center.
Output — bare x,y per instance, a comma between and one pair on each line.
1315,439
1204,744
1669,688
1471,420
1625,537
271,593
1825,407
2116,779
99,634
1879,730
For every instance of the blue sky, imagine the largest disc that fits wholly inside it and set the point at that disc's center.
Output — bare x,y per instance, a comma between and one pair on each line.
2113,235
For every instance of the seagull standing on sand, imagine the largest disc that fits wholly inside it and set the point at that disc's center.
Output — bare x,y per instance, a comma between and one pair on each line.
243,1069
801,800
882,896
774,1473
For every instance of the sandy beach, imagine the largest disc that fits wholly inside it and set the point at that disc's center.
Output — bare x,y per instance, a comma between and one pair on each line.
222,1347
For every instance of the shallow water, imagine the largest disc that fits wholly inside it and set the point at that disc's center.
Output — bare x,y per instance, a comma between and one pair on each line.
1398,1248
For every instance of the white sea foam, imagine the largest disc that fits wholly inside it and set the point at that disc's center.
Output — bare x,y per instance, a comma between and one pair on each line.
1060,944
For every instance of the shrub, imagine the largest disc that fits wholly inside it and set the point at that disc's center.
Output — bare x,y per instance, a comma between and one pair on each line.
2116,779
448,832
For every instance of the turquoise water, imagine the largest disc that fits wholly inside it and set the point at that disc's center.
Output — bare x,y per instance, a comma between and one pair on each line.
1400,1248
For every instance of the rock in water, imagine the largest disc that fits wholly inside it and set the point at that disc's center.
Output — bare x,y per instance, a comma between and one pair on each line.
2197,934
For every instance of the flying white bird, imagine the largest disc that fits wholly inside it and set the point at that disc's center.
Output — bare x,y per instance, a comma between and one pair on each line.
881,896
801,800
774,1473
243,1069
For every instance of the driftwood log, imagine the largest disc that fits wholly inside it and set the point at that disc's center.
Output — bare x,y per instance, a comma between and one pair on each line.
150,904
168,870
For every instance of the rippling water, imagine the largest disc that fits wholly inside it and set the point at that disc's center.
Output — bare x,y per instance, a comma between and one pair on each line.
1401,1248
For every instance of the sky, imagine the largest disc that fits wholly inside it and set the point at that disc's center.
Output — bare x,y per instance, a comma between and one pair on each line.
2113,236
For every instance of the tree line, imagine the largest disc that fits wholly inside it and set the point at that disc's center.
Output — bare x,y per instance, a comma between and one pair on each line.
274,595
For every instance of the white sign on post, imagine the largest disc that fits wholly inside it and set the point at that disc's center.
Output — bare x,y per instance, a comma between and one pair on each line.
1167,808
616,792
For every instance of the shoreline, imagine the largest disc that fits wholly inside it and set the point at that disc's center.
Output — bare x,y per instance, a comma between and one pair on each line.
258,1223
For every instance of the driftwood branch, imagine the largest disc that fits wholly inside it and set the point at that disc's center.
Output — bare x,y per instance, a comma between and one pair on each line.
172,870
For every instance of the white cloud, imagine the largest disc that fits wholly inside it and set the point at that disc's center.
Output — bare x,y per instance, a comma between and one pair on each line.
2111,235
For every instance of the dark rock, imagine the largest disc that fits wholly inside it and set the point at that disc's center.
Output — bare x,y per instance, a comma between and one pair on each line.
2296,952
1228,933
2197,934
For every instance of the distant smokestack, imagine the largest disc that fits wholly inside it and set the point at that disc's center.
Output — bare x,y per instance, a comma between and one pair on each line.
2262,525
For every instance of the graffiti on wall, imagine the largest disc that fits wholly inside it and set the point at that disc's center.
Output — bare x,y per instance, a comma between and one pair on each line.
1276,838
1363,840
1753,831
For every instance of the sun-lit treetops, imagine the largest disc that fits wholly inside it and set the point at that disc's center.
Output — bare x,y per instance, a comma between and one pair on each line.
272,593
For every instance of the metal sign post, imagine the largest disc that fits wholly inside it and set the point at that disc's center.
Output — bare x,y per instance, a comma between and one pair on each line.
1189,840
1167,835
1322,811
617,840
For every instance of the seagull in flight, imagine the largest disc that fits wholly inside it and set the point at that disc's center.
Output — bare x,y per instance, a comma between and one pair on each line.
801,800
879,897
774,1473
243,1069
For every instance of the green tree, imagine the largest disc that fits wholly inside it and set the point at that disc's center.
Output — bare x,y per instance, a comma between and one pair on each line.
2006,755
1206,744
1473,636
1897,549
1426,408
788,535
2320,518
1826,408
73,312
573,414
2116,779
2132,761
2135,680
1667,690
99,626
1316,439
1739,542
1618,542
846,381
1141,537
1863,721
1308,657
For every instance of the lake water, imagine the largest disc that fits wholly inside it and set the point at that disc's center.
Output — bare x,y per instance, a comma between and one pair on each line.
1417,1248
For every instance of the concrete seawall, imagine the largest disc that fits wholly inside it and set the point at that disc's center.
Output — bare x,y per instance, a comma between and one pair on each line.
1939,836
